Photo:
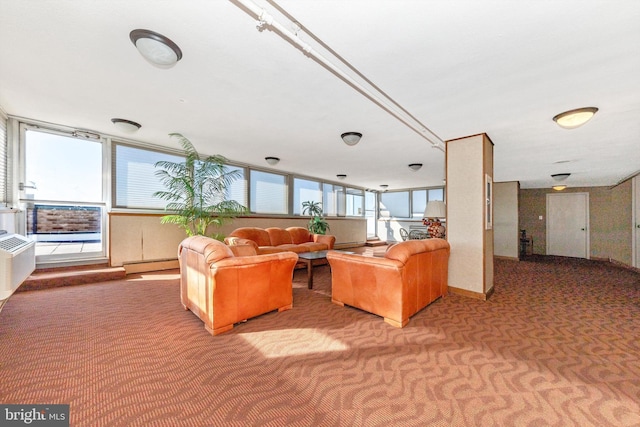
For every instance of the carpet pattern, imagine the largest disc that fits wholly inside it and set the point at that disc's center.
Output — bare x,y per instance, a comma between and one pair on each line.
556,345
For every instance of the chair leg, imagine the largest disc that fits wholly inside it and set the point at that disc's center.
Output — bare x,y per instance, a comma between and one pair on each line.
395,323
286,307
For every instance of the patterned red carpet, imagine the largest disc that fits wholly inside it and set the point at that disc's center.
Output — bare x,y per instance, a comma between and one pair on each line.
556,345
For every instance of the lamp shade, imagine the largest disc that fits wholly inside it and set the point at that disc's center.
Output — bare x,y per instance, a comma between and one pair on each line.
435,209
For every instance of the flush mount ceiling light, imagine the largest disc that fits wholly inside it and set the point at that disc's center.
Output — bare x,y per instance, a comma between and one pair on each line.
156,48
351,138
272,160
341,176
574,118
384,187
559,187
125,125
415,166
560,176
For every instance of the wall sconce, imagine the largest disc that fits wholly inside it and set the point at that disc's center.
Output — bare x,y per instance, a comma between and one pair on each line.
415,166
156,48
559,187
125,125
573,118
341,176
351,138
560,176
272,160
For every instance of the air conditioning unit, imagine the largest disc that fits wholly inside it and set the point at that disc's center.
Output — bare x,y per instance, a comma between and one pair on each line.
17,262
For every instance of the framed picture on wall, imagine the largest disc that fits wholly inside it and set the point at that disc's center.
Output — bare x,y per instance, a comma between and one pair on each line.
488,225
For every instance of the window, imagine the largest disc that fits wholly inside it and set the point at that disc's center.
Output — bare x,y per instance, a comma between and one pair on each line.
134,177
238,189
395,204
436,194
305,190
268,193
354,202
330,199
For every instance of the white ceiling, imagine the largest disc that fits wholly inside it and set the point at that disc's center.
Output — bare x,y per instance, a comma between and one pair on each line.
500,67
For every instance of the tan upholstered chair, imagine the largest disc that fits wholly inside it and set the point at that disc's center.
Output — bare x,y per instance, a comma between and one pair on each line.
411,275
223,289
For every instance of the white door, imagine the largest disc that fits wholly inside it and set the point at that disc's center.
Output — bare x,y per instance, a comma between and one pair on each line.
568,225
636,220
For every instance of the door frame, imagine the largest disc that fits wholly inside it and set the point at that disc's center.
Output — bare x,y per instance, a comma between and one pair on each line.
635,221
586,215
72,258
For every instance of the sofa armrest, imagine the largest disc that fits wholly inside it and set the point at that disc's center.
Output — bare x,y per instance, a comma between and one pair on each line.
327,239
239,241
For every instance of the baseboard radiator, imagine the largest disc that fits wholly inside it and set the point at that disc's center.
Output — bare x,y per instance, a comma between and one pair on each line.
17,262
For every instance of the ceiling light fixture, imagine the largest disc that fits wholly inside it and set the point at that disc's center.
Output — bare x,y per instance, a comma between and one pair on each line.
384,187
560,176
341,176
272,160
573,118
351,138
559,187
156,48
125,125
415,166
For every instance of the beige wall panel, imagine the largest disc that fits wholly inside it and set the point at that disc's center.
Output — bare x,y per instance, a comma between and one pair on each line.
141,238
506,235
487,162
137,238
621,236
465,213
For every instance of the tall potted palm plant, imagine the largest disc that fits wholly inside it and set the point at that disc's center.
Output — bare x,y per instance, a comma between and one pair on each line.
196,191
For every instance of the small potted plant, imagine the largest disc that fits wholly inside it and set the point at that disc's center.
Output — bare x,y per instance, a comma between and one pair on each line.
317,224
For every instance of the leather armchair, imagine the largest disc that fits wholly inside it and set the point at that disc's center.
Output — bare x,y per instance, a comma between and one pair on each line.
223,289
411,275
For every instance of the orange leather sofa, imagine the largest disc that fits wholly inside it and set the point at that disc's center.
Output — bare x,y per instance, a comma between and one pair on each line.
274,240
410,276
223,289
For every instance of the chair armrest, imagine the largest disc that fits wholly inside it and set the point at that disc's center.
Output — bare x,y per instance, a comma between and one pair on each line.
257,259
339,258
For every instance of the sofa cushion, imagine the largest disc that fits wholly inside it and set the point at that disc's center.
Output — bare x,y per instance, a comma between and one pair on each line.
299,235
279,236
258,235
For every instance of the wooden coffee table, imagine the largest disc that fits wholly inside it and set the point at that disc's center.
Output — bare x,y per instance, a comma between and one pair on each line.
311,259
